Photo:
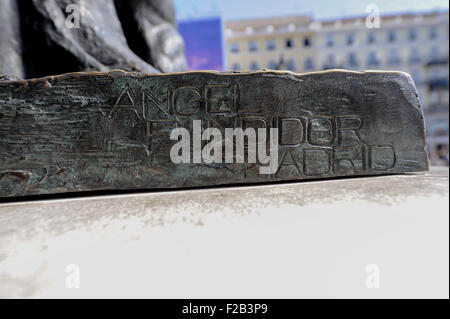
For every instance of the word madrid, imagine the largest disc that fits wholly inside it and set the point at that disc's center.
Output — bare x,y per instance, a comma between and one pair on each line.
211,152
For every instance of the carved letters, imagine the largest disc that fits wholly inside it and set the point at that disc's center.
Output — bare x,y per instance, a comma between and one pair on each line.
327,144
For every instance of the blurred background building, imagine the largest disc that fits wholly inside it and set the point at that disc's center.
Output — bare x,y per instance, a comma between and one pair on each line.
416,42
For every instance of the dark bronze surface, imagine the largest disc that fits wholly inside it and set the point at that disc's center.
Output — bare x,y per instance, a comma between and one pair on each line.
109,131
39,38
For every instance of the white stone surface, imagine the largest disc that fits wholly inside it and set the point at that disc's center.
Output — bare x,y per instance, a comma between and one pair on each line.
329,238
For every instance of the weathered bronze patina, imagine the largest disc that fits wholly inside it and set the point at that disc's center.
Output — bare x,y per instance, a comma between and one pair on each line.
109,131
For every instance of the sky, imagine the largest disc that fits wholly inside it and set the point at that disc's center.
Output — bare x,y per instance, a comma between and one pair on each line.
318,9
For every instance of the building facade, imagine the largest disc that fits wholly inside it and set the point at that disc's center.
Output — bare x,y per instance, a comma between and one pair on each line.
417,43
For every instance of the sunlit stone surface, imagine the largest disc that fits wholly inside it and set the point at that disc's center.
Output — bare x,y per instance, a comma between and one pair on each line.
323,238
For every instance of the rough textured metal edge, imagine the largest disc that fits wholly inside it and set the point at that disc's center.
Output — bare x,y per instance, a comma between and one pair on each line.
109,131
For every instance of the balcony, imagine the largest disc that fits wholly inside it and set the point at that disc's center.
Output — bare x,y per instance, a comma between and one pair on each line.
438,83
437,61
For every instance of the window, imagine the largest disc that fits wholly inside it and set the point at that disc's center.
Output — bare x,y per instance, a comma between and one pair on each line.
289,43
271,45
433,33
373,58
434,53
392,36
352,59
291,65
307,42
272,65
253,46
254,66
393,57
235,67
435,74
434,97
371,38
234,47
438,127
350,39
309,64
329,41
414,55
417,76
330,62
412,35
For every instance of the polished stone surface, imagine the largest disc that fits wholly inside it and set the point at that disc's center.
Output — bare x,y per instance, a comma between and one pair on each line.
325,238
